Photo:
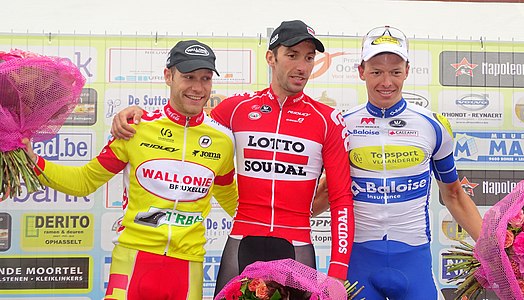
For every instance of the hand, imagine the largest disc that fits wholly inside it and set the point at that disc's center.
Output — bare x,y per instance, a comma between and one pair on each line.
120,127
338,279
29,149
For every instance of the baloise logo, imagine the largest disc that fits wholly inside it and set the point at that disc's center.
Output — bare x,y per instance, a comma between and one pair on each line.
398,189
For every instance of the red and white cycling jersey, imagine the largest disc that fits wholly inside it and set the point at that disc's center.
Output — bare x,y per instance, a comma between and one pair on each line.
280,152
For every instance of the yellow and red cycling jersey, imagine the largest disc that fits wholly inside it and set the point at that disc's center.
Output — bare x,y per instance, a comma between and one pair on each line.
171,168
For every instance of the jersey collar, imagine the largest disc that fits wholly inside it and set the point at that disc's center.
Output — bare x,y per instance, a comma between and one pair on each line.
178,118
394,110
289,99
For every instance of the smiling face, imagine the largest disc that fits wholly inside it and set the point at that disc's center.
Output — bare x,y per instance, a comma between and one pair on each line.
384,75
189,92
291,67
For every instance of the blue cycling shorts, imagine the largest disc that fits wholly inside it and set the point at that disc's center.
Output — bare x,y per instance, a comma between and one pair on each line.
392,270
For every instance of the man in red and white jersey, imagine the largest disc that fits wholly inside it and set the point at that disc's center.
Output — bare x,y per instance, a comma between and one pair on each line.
284,140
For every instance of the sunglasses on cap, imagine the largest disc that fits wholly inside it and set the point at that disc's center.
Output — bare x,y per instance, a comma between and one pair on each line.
386,31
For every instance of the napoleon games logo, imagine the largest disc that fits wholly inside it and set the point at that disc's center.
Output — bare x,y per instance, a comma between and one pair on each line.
468,186
464,68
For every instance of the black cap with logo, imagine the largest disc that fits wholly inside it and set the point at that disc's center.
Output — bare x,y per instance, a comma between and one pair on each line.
191,55
290,33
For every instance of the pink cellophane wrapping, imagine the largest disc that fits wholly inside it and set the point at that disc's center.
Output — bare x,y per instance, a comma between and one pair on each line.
37,93
291,273
495,272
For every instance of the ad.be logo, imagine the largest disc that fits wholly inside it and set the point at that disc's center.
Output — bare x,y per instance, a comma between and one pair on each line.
66,147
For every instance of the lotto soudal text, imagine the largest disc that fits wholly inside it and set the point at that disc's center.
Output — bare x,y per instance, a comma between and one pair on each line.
281,145
276,144
269,167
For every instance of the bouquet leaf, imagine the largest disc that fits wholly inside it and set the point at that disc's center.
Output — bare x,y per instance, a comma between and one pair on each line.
16,166
352,290
467,284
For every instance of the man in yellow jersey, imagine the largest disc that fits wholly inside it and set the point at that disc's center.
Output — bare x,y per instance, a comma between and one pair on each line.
172,166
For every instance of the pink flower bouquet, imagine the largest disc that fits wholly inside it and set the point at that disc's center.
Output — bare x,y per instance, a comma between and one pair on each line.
285,279
497,261
37,93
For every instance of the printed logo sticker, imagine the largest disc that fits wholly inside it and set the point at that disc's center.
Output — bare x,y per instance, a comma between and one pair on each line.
204,141
254,115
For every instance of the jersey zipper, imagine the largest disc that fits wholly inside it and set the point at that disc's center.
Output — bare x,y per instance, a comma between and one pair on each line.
176,200
271,228
384,166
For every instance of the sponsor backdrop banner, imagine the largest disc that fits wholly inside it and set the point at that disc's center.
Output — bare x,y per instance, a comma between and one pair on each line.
58,246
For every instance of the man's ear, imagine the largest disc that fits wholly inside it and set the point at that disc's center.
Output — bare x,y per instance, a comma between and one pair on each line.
270,58
168,76
361,72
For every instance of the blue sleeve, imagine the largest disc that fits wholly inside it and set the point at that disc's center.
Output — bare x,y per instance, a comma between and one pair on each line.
444,169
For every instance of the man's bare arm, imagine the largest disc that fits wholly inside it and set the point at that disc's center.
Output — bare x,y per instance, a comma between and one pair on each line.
461,207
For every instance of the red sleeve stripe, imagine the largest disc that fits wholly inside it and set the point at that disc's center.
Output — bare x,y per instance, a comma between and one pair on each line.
110,161
40,162
226,179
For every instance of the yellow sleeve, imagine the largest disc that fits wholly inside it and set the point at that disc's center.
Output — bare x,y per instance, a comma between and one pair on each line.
72,180
227,196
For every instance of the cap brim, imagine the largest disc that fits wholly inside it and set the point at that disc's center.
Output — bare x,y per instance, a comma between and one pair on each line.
375,52
195,64
292,42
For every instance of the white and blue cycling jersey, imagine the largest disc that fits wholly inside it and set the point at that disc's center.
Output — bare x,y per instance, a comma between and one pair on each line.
393,153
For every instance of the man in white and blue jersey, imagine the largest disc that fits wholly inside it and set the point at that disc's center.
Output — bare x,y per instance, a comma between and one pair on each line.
395,147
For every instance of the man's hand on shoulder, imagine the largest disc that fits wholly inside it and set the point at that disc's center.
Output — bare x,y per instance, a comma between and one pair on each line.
120,127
